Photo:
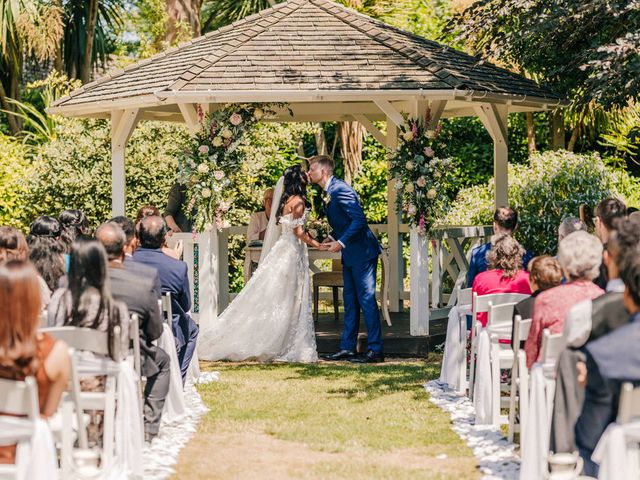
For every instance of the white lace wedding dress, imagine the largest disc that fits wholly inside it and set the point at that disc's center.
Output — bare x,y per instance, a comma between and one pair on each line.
271,318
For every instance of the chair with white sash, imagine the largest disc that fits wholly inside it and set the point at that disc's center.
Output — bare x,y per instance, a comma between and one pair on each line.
454,360
481,305
21,425
519,391
96,342
499,327
535,440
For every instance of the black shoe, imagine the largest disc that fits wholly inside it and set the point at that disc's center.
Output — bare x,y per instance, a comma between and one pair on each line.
370,357
341,355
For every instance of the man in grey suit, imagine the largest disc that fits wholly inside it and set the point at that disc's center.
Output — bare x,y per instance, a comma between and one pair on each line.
130,264
141,297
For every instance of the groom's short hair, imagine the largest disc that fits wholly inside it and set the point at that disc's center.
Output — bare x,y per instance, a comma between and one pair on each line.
324,160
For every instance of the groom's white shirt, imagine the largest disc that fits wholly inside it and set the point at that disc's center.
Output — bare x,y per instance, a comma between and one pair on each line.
326,189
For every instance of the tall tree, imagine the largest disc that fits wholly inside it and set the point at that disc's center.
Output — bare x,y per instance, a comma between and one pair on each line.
588,50
27,28
183,14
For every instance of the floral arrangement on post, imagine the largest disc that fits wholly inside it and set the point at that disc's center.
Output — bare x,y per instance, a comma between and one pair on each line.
318,228
210,168
424,175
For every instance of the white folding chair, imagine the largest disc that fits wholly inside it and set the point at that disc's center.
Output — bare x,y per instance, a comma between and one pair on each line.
464,300
629,405
18,399
519,380
97,342
481,305
167,310
499,327
552,346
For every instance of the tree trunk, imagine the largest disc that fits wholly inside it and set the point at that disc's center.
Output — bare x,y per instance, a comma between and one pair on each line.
321,141
351,148
576,131
14,125
86,61
182,12
557,130
531,133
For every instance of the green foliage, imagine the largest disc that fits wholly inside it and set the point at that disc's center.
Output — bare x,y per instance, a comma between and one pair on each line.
551,187
371,183
584,48
74,170
14,168
623,132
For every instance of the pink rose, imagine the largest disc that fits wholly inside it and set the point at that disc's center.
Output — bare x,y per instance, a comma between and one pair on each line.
235,119
218,174
203,149
428,151
421,182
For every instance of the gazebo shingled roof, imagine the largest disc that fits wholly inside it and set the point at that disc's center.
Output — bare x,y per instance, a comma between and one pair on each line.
328,63
302,46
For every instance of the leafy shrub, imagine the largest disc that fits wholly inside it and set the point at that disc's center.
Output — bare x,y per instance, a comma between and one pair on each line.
14,167
74,170
551,187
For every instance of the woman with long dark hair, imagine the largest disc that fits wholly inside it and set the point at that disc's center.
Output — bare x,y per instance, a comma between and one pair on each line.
23,351
271,318
45,250
73,225
87,301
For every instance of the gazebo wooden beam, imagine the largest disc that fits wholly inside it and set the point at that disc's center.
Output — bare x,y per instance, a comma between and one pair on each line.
190,114
495,119
371,128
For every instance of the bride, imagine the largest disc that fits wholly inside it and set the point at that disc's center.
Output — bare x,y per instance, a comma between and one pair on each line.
271,318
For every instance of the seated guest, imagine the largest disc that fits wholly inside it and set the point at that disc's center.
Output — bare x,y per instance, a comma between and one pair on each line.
23,351
175,280
46,251
568,226
13,246
505,274
587,321
150,211
130,246
73,224
611,359
140,297
87,302
255,233
606,214
544,273
580,255
505,222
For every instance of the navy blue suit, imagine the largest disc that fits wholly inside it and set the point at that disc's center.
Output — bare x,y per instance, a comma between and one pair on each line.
611,359
478,263
175,280
360,254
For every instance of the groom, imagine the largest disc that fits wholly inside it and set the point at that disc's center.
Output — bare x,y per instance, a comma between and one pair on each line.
360,250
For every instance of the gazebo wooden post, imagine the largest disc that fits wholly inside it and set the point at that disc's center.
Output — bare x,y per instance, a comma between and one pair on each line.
123,122
393,231
495,119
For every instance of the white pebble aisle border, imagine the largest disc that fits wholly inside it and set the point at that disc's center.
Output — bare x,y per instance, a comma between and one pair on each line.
494,452
160,457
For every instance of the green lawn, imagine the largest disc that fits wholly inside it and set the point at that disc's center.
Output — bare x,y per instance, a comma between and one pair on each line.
324,421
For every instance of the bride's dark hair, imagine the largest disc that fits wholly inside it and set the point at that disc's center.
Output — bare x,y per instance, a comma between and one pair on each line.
295,184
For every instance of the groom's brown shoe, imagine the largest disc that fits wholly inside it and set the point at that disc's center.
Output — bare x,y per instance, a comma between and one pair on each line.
341,355
370,357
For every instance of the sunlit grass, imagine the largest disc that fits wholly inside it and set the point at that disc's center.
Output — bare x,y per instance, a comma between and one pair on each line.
359,421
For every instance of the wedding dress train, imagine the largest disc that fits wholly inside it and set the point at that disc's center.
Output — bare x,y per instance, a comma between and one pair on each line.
271,318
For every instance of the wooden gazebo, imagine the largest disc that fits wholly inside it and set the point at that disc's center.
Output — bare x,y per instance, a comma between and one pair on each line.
328,63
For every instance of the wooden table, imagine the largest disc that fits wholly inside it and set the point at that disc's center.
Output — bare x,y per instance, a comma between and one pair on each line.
314,255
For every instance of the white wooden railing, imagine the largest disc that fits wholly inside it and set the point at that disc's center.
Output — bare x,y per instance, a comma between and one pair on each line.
437,266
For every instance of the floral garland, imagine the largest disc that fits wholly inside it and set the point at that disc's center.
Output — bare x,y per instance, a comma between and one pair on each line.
210,168
423,174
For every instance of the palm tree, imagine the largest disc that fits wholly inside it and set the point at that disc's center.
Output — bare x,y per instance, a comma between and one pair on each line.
27,27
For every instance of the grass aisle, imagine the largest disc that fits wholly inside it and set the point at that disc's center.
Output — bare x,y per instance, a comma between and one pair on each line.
324,421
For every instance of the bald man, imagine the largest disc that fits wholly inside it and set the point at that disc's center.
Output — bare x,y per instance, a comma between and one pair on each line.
140,295
175,280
